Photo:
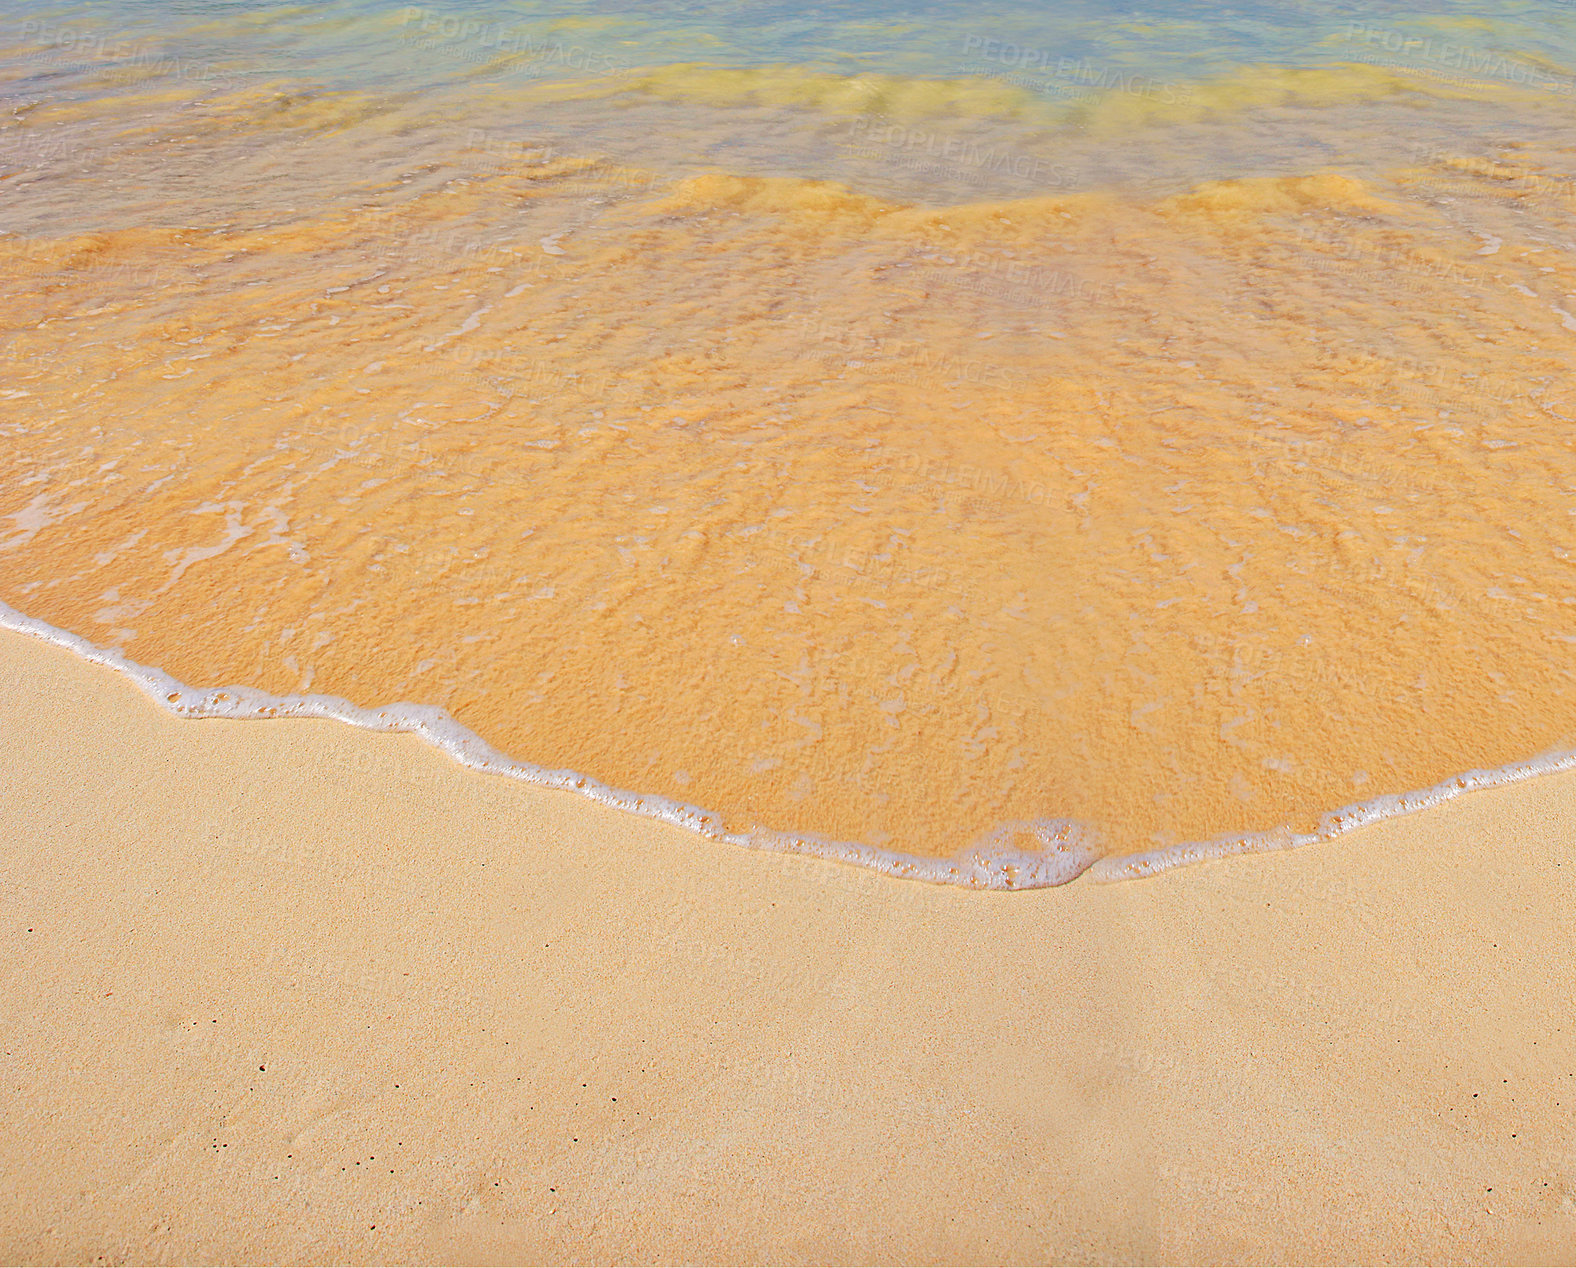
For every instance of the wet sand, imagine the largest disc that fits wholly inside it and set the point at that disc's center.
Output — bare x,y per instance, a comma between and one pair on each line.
1134,522
288,991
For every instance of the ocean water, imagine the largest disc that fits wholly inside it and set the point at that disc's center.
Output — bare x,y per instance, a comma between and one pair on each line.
980,441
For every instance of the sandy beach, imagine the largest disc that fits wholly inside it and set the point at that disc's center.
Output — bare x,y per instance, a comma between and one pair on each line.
288,991
529,533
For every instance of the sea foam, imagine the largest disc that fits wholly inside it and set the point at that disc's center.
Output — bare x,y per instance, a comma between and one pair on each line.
1068,850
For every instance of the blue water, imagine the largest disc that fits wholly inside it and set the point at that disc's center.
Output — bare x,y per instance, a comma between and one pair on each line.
415,48
1071,96
1172,42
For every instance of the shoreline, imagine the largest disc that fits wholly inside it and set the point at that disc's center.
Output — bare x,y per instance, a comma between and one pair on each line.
252,967
1065,856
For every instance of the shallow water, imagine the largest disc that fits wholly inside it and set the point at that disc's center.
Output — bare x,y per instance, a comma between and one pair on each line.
929,430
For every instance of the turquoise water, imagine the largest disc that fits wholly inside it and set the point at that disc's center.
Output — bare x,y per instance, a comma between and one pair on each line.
1048,82
419,47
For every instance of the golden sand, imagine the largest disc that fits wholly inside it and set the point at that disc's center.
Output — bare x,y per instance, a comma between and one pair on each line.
286,991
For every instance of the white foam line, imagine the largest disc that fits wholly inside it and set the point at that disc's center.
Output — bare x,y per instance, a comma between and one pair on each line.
986,867
1068,854
1334,824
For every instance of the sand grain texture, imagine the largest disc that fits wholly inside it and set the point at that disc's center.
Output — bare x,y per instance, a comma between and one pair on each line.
290,991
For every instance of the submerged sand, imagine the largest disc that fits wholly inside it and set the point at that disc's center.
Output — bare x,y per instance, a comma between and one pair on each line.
285,990
1148,519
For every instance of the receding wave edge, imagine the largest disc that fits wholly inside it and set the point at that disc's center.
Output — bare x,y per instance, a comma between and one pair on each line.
1068,848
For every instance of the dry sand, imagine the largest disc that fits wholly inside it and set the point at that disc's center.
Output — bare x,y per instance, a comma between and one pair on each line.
290,991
